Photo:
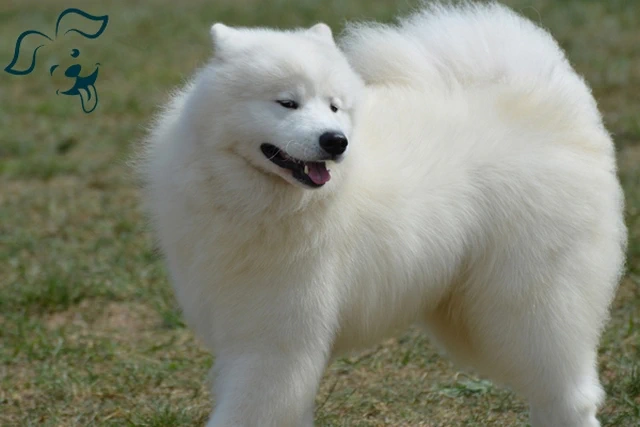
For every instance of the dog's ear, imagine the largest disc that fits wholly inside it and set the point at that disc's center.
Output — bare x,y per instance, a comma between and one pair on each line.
323,32
24,55
221,35
77,21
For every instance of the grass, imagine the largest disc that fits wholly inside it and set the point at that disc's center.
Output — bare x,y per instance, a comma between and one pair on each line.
89,332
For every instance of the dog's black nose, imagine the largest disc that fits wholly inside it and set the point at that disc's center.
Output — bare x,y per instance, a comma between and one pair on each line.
334,143
73,70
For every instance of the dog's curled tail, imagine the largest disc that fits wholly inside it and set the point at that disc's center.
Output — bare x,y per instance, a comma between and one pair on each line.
470,45
466,44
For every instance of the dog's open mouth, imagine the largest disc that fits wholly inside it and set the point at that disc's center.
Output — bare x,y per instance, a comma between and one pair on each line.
312,174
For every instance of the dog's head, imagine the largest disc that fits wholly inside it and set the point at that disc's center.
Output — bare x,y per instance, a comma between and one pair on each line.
283,100
73,22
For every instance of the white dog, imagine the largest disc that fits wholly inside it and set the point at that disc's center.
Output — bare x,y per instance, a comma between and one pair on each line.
451,171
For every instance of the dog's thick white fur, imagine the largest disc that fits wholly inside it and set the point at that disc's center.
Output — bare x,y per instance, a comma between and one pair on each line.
478,197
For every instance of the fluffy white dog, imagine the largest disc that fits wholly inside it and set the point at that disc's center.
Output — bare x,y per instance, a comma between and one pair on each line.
452,171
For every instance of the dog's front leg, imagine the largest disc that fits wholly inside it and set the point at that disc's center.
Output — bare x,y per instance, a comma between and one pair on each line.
270,363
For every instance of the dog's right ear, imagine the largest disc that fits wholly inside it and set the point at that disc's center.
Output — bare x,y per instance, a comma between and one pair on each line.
221,34
24,55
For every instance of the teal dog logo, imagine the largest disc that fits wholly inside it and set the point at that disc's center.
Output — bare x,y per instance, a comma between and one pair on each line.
83,82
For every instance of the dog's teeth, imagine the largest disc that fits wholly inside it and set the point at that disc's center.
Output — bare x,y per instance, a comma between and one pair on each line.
306,170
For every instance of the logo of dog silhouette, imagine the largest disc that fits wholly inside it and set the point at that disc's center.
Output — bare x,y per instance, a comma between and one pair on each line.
83,83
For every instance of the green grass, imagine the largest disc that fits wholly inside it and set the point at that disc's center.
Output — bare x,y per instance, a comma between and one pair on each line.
89,331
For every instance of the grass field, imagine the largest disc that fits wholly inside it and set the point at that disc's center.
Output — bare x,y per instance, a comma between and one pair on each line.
89,332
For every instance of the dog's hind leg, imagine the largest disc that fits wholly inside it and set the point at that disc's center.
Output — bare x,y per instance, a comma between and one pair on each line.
540,334
559,375
542,352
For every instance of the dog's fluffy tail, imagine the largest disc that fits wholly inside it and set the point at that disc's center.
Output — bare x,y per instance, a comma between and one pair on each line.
471,45
467,44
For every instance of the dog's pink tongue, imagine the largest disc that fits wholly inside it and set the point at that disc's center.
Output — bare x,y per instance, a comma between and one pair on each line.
318,173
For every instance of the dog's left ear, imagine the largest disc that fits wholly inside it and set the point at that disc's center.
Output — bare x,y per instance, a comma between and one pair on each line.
322,31
74,20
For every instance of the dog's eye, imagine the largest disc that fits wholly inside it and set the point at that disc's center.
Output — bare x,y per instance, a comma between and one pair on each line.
334,108
287,103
